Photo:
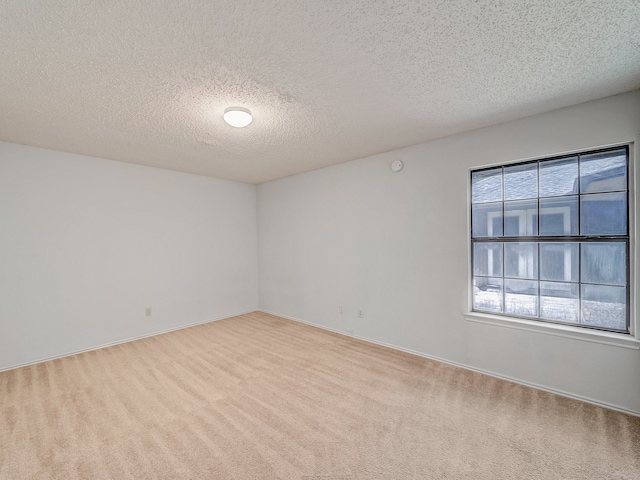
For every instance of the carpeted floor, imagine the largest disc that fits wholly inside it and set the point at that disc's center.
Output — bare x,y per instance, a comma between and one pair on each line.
260,397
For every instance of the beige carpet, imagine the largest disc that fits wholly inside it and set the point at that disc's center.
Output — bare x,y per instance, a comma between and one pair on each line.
260,397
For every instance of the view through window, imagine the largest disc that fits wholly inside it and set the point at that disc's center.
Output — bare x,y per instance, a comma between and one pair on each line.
550,239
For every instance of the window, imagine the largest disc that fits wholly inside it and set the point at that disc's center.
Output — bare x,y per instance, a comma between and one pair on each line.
550,240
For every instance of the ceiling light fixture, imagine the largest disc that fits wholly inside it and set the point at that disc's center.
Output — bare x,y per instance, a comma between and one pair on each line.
237,117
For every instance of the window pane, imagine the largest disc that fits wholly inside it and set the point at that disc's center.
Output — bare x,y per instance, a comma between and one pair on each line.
559,177
559,216
487,294
521,181
603,172
604,306
487,259
487,220
603,214
604,263
486,186
559,262
521,297
559,301
521,218
521,260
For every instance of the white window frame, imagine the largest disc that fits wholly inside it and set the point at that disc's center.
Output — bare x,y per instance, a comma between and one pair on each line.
626,340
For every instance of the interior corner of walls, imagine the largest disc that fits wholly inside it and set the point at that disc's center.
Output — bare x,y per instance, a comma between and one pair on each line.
122,238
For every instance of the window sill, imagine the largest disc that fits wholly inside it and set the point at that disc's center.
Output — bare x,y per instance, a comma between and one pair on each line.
575,333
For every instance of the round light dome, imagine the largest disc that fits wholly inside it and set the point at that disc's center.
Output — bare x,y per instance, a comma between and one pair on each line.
237,117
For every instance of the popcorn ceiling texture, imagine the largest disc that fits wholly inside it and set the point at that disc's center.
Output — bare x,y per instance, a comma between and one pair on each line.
327,81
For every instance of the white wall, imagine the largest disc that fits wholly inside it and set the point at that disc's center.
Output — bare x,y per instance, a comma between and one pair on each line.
87,244
395,245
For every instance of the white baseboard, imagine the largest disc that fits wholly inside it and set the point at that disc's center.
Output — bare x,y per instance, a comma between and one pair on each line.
466,367
118,342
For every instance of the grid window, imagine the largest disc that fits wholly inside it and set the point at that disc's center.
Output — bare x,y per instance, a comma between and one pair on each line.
550,240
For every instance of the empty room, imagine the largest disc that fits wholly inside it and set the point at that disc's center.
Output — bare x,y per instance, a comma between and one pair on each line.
319,240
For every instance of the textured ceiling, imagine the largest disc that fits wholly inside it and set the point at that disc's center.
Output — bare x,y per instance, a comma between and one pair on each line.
328,81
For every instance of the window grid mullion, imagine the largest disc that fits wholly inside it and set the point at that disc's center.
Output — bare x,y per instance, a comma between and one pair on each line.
580,309
539,264
504,256
504,280
579,278
538,196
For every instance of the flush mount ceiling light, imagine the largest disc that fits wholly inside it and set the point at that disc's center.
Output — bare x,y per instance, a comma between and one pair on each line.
237,117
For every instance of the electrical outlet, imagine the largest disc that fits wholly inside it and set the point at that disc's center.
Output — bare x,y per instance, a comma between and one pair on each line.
340,310
360,313
147,311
